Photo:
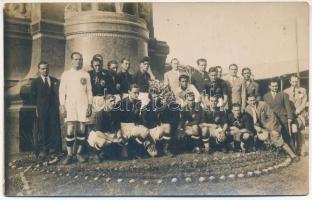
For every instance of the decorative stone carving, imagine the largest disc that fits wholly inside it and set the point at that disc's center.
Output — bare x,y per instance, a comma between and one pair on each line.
72,9
119,7
17,10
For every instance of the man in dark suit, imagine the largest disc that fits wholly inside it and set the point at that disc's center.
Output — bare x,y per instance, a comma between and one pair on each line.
44,91
280,104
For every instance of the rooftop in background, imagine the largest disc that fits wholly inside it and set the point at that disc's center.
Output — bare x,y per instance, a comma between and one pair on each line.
270,38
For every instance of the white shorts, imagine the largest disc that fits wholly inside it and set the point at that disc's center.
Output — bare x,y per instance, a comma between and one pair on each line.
132,130
156,133
98,139
76,112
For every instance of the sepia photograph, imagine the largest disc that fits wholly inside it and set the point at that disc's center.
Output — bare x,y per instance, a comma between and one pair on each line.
155,99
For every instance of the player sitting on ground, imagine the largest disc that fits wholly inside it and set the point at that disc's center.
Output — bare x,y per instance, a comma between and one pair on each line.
106,128
151,118
129,116
241,129
189,124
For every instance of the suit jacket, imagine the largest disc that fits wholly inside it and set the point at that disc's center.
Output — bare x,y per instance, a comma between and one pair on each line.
265,116
252,87
47,101
234,89
298,97
171,79
280,106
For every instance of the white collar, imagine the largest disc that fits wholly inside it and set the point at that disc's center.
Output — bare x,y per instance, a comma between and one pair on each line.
43,77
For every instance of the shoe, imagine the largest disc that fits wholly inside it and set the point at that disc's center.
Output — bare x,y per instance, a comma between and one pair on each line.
81,158
53,160
151,150
68,160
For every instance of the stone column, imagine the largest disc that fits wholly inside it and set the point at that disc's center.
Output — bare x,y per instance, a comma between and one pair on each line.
158,51
111,34
17,39
47,43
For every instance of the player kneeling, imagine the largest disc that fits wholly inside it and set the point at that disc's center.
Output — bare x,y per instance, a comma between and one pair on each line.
241,129
154,118
106,127
190,119
213,125
129,116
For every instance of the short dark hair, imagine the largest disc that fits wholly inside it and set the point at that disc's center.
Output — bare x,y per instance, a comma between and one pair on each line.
174,59
123,59
185,76
214,96
99,56
213,69
236,105
201,60
273,80
112,62
235,65
145,59
151,91
75,53
244,69
134,85
218,67
294,75
96,59
42,63
252,94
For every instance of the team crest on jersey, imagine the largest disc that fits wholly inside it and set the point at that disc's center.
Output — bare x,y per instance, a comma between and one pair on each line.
83,81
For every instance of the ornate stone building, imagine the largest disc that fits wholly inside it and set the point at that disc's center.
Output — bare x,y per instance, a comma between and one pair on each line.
52,31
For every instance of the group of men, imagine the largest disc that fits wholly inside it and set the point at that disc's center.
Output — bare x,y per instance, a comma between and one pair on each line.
209,112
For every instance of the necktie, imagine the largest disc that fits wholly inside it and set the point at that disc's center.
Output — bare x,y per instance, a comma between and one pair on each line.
46,83
294,92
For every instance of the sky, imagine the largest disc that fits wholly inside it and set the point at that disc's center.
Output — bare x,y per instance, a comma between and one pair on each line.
270,38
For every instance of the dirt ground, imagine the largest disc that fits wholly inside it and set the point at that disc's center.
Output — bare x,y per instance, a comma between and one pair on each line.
186,175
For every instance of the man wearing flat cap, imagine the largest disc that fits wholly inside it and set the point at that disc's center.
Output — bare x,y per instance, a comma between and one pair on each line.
142,78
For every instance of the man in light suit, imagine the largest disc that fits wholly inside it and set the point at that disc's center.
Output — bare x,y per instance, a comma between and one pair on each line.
249,86
280,104
234,84
171,78
266,124
298,98
44,93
